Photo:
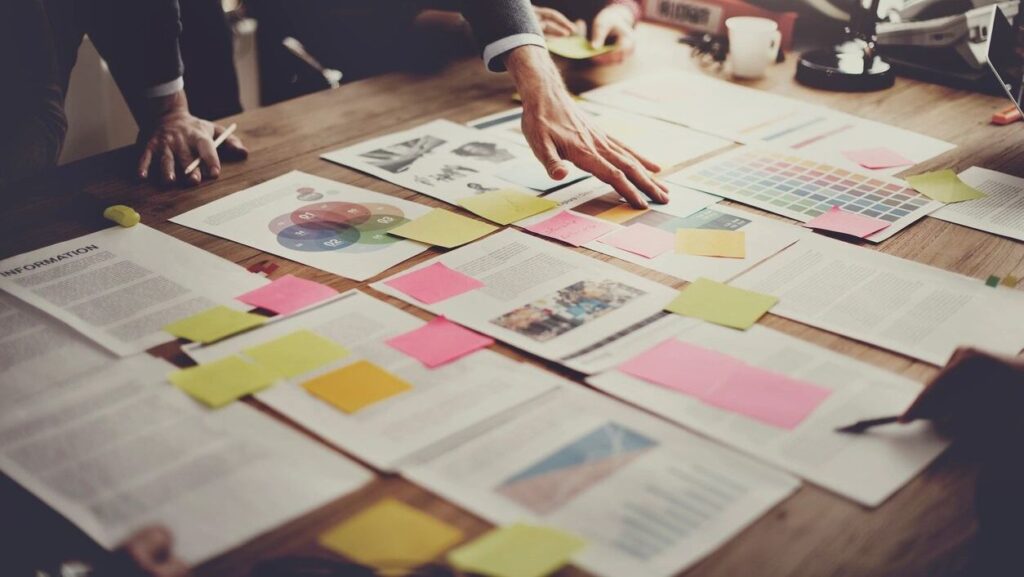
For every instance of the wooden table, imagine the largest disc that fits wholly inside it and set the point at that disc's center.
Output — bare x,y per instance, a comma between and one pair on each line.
925,529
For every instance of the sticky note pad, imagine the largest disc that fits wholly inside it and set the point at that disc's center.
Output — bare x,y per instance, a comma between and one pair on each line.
943,186
517,551
681,366
441,227
287,295
575,47
721,304
214,324
571,228
877,158
440,341
642,239
356,386
769,397
621,213
296,354
506,206
711,242
218,383
1010,281
391,535
851,223
434,283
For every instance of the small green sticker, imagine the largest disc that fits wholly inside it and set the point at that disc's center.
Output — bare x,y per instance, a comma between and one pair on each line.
992,281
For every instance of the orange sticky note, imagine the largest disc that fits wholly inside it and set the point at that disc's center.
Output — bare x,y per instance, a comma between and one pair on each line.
356,386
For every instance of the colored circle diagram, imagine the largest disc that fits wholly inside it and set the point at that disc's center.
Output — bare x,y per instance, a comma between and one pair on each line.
338,226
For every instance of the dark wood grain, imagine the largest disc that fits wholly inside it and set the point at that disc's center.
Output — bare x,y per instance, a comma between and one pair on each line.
924,530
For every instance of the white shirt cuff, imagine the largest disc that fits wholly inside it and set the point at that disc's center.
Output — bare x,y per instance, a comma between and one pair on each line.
165,89
499,47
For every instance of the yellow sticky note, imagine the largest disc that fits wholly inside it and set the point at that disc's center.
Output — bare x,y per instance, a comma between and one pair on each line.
575,47
214,324
356,386
710,242
219,383
295,354
1010,281
943,186
722,304
517,551
621,213
440,227
506,206
391,535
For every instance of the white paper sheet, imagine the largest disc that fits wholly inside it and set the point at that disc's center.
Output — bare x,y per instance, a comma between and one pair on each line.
37,353
449,162
664,143
867,468
901,305
1000,212
443,401
121,286
545,299
121,450
314,221
650,499
748,115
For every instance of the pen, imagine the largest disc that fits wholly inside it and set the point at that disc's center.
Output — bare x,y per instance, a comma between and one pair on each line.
216,144
861,426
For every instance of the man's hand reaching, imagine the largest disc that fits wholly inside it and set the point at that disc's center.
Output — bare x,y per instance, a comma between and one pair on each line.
558,132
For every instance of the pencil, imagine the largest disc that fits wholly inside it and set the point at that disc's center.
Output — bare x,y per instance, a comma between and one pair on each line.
861,426
216,144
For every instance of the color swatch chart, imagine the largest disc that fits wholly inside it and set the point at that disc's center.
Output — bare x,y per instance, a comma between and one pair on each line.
802,188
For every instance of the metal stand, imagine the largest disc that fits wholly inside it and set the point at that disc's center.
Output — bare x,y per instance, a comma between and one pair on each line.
852,65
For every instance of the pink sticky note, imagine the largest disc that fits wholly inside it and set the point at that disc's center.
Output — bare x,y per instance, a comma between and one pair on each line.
644,240
570,228
287,295
877,158
681,366
440,341
434,283
769,397
838,220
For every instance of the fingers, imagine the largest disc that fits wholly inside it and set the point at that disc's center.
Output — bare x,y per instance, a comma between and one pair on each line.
553,163
599,33
184,155
145,160
554,23
208,154
637,175
232,149
167,175
648,164
607,172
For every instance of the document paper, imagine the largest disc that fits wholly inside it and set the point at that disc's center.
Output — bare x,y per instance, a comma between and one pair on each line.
441,402
901,305
314,221
543,298
1000,212
648,498
120,450
121,286
865,468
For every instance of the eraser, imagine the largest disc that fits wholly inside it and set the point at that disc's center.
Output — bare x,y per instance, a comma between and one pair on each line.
122,215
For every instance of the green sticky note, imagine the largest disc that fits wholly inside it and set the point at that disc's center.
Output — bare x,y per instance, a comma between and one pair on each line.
219,383
721,304
444,228
296,354
506,206
575,47
517,551
992,281
214,324
391,535
943,186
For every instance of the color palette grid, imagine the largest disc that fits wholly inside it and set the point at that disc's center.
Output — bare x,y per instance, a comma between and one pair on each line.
802,188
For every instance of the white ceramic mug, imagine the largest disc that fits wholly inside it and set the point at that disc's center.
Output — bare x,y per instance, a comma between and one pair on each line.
753,45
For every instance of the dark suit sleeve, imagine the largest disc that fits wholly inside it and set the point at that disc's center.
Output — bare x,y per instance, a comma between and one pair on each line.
139,41
496,20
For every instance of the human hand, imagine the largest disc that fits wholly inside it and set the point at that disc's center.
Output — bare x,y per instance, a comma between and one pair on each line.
553,22
558,131
975,395
149,553
173,138
614,22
